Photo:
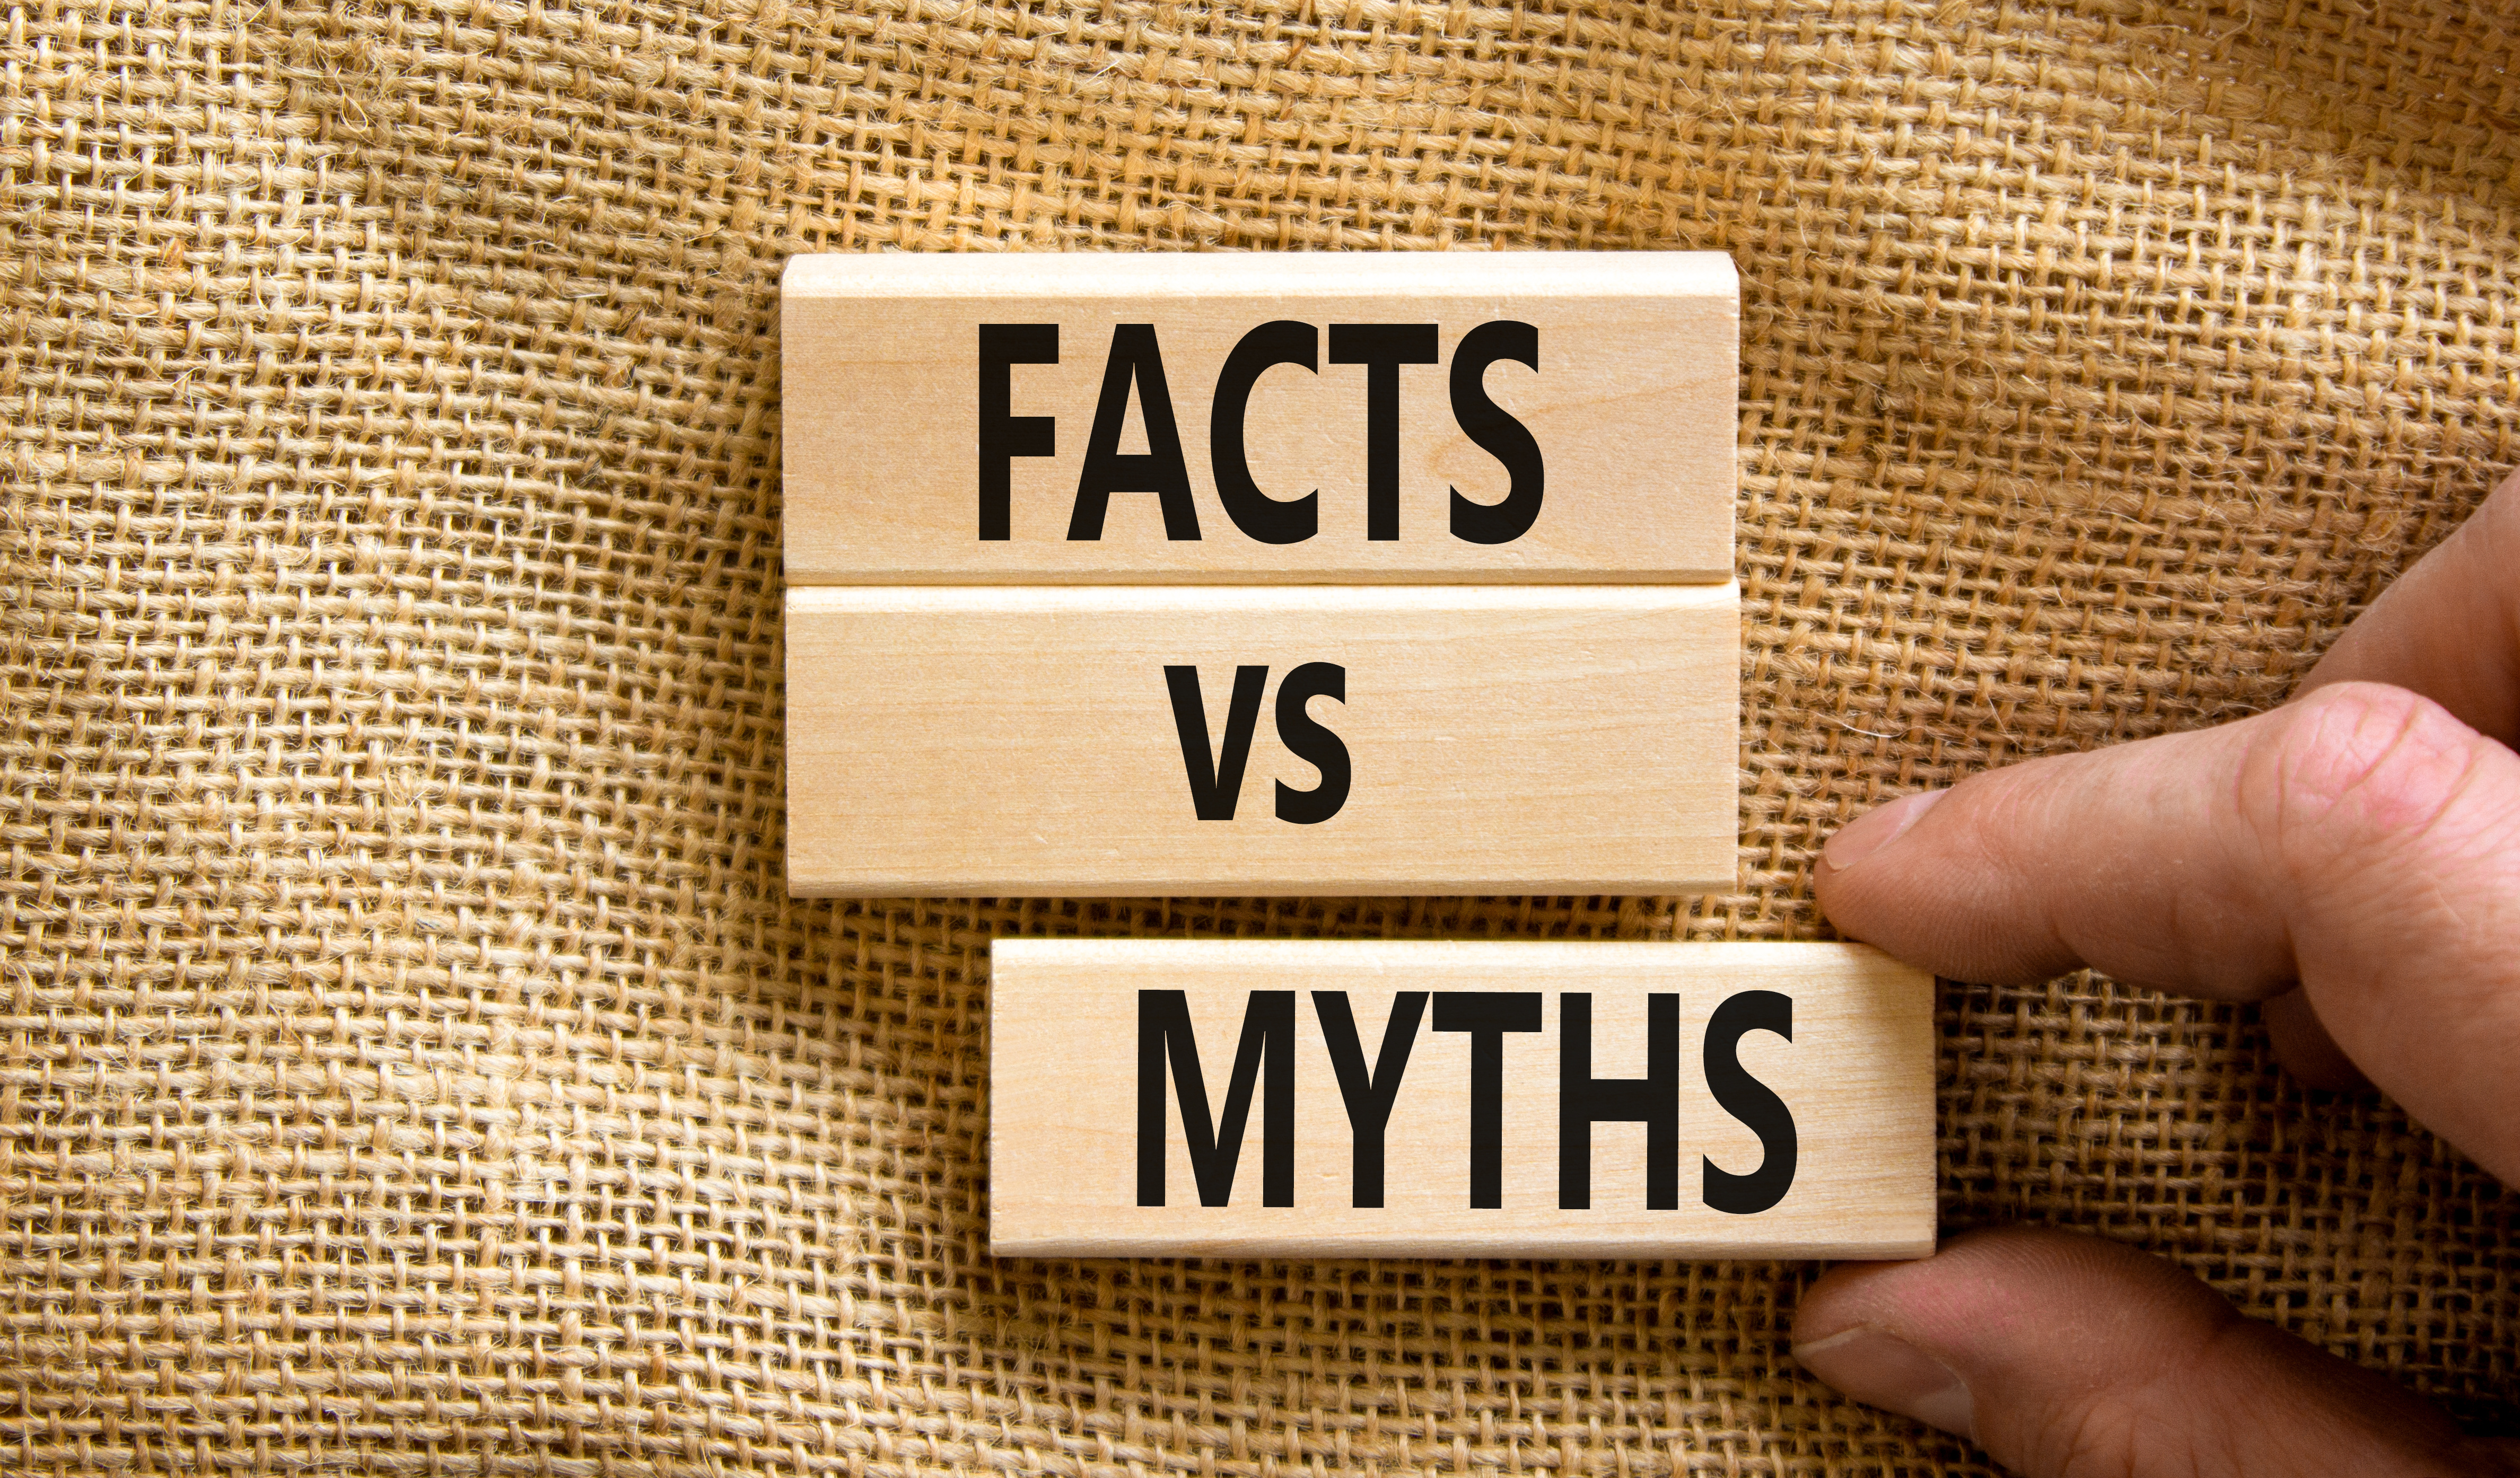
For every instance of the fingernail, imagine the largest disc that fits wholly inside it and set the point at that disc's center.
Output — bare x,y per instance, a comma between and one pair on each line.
1876,828
1884,1370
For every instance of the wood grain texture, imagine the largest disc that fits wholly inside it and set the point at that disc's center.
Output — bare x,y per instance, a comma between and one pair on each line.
1632,408
986,741
1857,1078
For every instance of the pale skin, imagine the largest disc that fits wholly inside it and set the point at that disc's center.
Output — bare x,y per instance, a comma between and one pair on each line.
2350,860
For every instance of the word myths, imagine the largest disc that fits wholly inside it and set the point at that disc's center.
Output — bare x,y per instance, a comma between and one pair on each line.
1265,1059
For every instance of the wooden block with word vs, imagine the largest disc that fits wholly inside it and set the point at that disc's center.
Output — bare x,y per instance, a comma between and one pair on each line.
1127,418
1312,1099
1169,739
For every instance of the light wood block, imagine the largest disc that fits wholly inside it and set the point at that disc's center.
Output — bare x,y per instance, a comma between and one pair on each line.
1761,1100
1598,446
1457,739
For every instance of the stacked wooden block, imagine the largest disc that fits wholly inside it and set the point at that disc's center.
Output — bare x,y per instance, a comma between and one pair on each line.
1261,573
1325,574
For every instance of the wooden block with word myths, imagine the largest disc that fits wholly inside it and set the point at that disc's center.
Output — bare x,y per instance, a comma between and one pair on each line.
1127,418
1310,1099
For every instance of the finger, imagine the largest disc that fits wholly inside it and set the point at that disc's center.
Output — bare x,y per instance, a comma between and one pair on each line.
2359,840
2303,1044
2067,1355
2449,628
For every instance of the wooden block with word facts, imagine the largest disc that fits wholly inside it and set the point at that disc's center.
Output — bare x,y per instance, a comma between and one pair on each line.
1128,418
1310,1099
1169,739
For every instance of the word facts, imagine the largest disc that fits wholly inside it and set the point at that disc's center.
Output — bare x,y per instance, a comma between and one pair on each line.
1416,1099
1301,417
1135,373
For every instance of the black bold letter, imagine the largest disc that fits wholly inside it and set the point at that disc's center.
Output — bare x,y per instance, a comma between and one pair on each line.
1308,740
1383,348
1583,1100
1005,435
1505,439
1268,1031
1216,777
1487,1016
1369,1097
1157,469
1751,1101
1271,520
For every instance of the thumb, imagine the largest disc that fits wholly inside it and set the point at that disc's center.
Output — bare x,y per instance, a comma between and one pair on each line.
2066,1355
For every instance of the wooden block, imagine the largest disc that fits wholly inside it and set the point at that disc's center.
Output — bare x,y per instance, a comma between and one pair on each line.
1157,740
1013,418
1517,1100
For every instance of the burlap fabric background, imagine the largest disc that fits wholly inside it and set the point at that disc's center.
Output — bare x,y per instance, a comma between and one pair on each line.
412,1061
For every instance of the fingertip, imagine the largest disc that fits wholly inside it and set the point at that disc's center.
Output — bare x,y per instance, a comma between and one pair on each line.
1877,1367
1845,1333
2065,1354
1876,831
1918,877
1829,1307
1974,1287
1862,883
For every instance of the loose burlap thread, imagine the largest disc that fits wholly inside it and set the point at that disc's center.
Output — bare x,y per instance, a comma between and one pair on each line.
411,1060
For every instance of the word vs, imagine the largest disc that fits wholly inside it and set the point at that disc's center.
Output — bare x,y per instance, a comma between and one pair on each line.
1216,775
1134,369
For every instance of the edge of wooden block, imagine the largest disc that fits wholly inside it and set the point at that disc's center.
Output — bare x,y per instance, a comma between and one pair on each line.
1043,596
1021,951
1891,1250
822,576
1288,274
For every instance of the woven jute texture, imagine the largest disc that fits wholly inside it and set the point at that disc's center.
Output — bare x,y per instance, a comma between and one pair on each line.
411,1059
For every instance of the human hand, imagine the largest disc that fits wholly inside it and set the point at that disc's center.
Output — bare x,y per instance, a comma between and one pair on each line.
2352,861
